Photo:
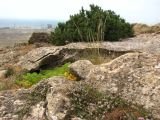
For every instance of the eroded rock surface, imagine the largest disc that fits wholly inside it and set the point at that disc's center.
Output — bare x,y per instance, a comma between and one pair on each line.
45,101
133,76
81,68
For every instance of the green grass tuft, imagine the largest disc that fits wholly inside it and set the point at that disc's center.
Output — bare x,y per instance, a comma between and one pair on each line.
29,79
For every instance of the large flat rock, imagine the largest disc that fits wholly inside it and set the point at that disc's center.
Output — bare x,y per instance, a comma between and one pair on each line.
134,76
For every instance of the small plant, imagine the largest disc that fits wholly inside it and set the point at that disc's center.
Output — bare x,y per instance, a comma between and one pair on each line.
9,72
70,76
28,79
90,104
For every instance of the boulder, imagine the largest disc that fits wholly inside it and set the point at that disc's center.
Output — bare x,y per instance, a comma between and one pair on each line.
34,59
81,68
40,37
46,100
134,77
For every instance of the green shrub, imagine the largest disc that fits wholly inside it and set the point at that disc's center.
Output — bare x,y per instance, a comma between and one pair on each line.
29,79
92,25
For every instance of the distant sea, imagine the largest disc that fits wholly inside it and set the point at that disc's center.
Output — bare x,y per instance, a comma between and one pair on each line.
19,23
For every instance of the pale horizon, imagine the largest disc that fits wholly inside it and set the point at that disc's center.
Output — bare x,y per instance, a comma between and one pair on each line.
137,11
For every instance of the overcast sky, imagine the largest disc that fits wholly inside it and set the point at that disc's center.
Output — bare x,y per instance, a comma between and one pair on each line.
144,11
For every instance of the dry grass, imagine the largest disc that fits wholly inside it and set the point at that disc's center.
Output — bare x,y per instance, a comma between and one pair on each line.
98,56
8,84
121,113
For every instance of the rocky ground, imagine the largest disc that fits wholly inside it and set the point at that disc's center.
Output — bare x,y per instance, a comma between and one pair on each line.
133,74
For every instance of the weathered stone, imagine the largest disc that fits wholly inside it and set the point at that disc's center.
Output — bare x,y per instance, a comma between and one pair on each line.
81,68
50,101
133,76
53,56
37,112
40,57
39,37
58,102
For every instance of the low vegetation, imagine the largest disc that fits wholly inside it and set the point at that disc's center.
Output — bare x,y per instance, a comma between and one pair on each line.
98,56
29,79
95,24
90,104
9,72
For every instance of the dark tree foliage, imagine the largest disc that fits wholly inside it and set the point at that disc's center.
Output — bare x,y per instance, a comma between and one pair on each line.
92,25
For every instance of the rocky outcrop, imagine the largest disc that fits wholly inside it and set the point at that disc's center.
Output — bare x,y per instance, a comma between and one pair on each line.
50,56
39,37
53,56
46,101
33,59
133,76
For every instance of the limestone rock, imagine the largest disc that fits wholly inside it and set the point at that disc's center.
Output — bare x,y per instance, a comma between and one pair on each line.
133,76
46,100
44,57
58,103
81,68
52,56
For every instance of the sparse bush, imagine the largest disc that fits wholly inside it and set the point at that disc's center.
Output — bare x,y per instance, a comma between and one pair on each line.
9,72
92,25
